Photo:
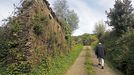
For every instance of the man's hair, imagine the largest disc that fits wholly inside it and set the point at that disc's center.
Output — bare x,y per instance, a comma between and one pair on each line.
99,43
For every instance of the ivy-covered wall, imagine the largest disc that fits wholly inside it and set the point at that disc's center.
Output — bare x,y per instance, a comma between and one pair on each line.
31,36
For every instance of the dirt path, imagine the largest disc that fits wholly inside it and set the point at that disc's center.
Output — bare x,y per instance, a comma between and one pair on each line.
97,69
78,67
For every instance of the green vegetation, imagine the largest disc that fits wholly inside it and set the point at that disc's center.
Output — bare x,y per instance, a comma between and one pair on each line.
67,31
32,42
94,42
113,68
119,42
12,60
63,13
58,65
15,27
85,39
100,29
48,65
120,52
88,62
68,18
121,16
39,22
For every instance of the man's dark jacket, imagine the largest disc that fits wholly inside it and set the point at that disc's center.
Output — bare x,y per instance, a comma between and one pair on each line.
100,52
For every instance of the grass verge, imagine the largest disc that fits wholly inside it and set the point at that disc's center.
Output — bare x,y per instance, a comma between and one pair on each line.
59,65
88,62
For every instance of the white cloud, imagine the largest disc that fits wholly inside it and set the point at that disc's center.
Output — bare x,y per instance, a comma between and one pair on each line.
4,13
106,3
88,15
79,32
6,8
133,3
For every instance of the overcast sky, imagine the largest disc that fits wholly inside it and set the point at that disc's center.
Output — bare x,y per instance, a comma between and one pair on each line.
89,12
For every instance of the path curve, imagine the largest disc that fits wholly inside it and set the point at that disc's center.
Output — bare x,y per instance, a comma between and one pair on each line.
78,68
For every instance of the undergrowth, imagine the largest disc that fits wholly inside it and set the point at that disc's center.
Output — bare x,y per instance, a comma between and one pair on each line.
58,65
113,67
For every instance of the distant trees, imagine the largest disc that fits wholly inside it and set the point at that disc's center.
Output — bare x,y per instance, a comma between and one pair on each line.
64,13
68,18
61,8
86,39
100,29
121,16
72,19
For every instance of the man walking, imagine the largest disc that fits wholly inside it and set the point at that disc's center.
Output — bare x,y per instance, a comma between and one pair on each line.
100,53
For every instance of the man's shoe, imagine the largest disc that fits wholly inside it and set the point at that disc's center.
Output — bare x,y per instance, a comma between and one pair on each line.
99,64
102,67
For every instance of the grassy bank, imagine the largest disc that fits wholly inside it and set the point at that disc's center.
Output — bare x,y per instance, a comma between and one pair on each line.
59,65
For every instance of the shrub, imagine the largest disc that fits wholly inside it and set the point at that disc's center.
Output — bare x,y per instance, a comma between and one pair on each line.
15,27
38,29
120,52
39,23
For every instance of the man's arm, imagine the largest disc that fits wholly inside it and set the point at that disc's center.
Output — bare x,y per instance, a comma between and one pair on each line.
96,52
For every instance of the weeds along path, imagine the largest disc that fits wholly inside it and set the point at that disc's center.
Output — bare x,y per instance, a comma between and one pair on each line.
78,68
97,69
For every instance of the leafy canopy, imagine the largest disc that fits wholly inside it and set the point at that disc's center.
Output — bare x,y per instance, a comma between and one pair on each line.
63,12
120,17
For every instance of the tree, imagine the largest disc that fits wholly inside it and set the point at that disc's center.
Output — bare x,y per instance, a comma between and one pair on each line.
120,17
60,8
72,19
86,39
100,29
64,13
